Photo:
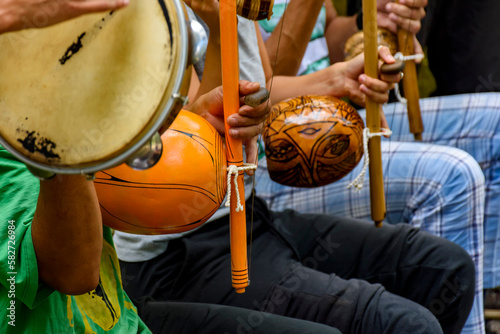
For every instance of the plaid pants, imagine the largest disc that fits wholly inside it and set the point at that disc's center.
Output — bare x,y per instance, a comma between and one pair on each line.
440,189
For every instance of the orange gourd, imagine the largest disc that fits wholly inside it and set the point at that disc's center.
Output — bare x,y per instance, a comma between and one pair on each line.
179,193
312,141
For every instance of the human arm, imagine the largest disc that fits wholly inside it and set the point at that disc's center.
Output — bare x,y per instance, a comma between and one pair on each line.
338,29
22,14
66,229
345,79
208,11
67,234
292,34
245,125
297,27
194,86
407,14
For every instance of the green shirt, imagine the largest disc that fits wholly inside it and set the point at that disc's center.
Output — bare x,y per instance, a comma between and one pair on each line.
30,306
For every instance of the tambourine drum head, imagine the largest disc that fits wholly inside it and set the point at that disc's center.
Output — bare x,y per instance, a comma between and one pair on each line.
356,44
85,90
312,141
179,193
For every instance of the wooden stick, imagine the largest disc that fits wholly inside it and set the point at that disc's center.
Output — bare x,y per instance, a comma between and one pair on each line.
234,149
410,83
377,196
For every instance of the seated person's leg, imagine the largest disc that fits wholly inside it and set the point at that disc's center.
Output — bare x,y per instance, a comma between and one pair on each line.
353,306
174,317
469,122
201,271
436,188
429,270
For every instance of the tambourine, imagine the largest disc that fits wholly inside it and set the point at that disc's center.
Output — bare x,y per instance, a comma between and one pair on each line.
89,93
179,193
312,141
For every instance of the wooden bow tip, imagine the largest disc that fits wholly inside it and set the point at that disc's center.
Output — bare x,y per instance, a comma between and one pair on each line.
234,151
377,196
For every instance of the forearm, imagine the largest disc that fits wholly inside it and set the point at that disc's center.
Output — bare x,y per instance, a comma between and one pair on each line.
212,70
292,38
22,14
67,234
329,81
10,16
337,33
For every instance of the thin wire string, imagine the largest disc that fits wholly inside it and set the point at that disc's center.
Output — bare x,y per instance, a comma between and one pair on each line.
259,139
394,111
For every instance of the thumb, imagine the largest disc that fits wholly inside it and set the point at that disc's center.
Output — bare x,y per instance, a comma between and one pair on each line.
356,64
213,102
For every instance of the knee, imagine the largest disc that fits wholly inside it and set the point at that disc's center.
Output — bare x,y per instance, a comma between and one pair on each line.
450,189
464,269
448,277
459,273
420,320
458,287
466,173
403,316
427,322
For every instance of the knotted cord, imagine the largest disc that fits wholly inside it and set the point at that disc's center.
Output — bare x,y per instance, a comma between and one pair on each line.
232,173
259,138
397,91
378,203
357,183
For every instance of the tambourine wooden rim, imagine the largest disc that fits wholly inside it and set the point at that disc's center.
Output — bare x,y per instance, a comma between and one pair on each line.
176,83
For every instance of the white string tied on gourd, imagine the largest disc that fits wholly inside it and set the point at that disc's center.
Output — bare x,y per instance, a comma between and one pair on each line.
235,170
357,183
400,56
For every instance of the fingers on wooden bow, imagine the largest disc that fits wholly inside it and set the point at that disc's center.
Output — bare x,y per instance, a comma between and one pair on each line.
247,123
390,69
377,89
407,14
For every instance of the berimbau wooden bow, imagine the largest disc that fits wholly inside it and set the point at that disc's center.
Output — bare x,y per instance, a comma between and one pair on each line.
234,149
377,196
410,83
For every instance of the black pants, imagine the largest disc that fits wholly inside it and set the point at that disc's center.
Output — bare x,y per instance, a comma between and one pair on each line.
344,273
198,318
